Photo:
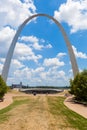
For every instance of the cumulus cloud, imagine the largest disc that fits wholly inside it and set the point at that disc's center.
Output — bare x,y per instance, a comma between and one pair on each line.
2,60
47,73
53,62
6,36
28,75
48,46
53,75
37,46
35,42
34,58
74,13
59,55
24,52
1,66
13,12
24,73
39,76
29,39
15,65
79,54
39,69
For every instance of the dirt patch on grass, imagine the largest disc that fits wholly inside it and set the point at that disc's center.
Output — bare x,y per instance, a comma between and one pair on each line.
34,115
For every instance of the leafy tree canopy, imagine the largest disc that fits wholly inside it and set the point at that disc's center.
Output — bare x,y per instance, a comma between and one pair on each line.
79,86
3,87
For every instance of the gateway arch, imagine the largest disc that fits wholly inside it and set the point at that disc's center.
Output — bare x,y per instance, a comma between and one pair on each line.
12,46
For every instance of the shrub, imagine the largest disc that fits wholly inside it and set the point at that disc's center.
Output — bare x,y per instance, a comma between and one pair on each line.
79,86
3,87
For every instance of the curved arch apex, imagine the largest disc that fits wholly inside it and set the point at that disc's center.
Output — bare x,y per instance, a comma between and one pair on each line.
12,46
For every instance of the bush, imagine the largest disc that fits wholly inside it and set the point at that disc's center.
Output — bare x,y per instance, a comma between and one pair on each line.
3,87
79,86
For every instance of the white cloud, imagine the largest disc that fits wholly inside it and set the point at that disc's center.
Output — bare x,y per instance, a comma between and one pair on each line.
54,77
27,75
35,42
37,46
61,73
53,62
24,52
39,76
19,75
49,46
54,72
15,65
74,13
59,55
29,39
24,73
35,58
1,66
14,12
39,69
43,75
48,74
6,36
2,60
79,54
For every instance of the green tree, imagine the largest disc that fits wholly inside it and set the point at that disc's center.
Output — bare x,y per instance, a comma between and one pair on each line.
79,86
3,87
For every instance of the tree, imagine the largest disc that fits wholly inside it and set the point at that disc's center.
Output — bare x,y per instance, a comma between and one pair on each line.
3,87
78,86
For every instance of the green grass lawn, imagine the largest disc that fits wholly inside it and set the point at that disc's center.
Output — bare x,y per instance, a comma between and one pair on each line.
63,117
59,110
17,101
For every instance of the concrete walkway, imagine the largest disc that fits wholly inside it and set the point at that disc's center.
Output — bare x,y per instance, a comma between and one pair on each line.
7,101
78,108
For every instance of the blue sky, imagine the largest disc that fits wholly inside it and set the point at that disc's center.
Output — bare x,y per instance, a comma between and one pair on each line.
41,56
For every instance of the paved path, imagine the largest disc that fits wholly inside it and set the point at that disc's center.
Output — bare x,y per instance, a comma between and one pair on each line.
78,108
7,101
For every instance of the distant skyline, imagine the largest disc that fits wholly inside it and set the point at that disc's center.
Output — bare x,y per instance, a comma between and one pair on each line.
41,56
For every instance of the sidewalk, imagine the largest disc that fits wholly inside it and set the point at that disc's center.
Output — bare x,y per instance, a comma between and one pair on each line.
78,108
7,101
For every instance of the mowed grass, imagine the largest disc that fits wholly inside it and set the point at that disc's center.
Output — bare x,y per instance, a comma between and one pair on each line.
61,117
17,101
62,114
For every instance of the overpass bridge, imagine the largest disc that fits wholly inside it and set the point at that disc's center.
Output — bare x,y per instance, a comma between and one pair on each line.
41,90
